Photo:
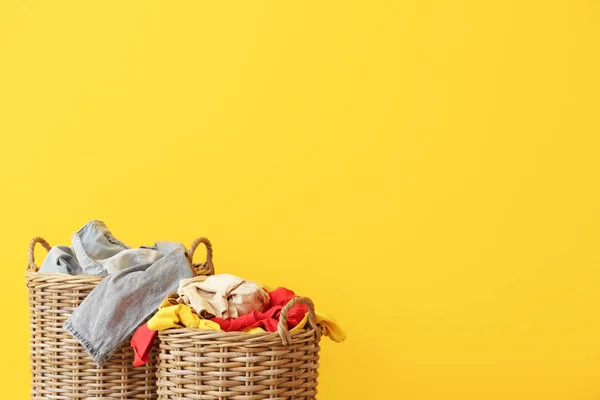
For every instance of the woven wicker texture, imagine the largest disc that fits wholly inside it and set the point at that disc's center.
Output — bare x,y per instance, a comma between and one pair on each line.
209,365
60,367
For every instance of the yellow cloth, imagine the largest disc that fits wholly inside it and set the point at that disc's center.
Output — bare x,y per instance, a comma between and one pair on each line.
330,327
301,324
255,330
168,301
179,316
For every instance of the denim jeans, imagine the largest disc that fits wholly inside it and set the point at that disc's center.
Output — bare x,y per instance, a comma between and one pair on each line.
95,251
124,300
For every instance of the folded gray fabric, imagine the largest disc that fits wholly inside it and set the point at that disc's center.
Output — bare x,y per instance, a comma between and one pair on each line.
62,260
126,299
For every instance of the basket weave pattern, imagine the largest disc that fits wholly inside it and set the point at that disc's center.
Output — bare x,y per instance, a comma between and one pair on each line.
61,369
209,365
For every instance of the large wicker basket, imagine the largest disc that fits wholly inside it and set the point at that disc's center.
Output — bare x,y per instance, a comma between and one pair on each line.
206,365
60,367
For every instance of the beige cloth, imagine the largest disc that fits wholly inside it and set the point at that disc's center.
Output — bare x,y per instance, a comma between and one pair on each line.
223,296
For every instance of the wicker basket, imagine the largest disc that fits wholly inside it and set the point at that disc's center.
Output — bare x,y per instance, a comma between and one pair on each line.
205,365
60,367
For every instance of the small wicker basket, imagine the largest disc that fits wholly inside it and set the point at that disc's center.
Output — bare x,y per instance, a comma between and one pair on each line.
60,367
206,365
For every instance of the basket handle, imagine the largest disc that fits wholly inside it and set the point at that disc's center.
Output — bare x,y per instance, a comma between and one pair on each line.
32,267
282,330
207,266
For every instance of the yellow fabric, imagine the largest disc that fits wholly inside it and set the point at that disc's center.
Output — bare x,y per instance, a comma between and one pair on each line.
179,316
207,325
167,302
301,324
330,327
255,330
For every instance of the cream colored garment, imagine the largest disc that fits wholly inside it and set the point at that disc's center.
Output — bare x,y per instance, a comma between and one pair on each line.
222,296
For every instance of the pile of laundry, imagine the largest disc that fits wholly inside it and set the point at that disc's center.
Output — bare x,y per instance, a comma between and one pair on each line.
148,289
226,303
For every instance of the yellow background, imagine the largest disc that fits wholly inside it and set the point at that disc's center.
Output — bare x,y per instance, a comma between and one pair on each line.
427,171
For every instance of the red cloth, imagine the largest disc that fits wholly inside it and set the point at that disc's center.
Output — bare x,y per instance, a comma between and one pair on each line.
141,342
269,318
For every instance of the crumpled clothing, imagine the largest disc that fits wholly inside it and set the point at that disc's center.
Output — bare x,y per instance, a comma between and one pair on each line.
95,251
179,316
268,319
170,314
125,299
142,341
62,260
223,295
173,314
329,326
171,300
